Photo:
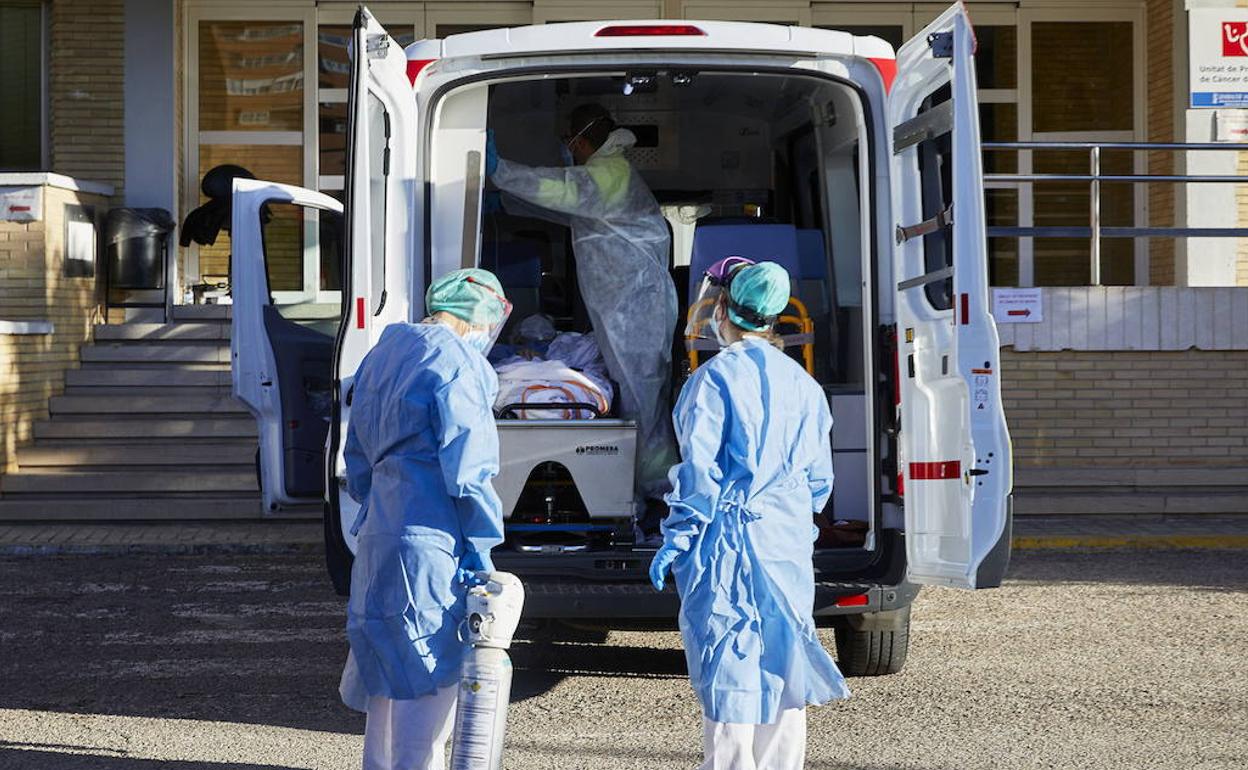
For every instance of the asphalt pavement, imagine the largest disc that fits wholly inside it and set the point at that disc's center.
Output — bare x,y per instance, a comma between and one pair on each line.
1110,659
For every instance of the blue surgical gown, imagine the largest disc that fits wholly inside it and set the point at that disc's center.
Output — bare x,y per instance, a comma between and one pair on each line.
756,463
421,450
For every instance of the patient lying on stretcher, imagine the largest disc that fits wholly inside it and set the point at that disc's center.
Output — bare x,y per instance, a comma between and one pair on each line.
543,366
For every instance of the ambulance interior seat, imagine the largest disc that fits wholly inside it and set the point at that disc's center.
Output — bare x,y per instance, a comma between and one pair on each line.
800,252
714,240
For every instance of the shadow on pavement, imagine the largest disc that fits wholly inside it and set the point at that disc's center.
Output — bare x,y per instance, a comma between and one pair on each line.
239,639
541,665
42,756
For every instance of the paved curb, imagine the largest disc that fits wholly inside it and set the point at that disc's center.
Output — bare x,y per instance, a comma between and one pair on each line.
1128,542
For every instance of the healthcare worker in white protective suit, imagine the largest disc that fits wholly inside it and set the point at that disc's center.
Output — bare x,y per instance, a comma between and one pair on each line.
621,243
421,451
756,463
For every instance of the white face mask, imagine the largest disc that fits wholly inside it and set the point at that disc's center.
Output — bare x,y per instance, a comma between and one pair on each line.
479,339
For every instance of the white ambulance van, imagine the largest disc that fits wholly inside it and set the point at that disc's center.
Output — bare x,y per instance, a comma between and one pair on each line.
857,169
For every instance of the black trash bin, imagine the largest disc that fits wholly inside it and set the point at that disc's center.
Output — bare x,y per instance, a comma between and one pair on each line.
136,240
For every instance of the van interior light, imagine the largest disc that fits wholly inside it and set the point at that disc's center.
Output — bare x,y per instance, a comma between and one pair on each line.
682,78
650,30
644,82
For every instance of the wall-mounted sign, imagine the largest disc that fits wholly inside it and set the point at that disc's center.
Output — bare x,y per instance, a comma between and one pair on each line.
21,204
1218,57
1230,126
1018,306
81,241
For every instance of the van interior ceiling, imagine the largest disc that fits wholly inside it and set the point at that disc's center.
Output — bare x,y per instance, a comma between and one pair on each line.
759,164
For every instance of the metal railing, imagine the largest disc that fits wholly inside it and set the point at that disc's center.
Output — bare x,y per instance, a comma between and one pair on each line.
1096,231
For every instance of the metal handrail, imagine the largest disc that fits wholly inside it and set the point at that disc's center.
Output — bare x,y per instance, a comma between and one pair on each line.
1095,179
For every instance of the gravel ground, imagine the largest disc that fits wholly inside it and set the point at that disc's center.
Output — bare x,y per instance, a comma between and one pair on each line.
1085,660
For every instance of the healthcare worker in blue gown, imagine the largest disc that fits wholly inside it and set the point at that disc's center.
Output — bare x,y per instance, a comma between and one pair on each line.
756,463
421,451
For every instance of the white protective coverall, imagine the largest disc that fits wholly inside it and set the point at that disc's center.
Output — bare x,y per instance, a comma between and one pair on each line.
621,244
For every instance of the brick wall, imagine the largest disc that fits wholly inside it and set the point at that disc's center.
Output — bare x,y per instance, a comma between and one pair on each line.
1161,197
33,287
86,95
1142,409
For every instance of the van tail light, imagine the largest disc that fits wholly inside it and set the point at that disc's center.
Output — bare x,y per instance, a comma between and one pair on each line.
650,30
414,67
858,600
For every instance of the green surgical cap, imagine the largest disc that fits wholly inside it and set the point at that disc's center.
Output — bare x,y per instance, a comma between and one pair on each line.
762,288
471,295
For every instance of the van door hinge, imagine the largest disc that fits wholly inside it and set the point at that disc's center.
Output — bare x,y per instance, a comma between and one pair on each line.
377,46
941,44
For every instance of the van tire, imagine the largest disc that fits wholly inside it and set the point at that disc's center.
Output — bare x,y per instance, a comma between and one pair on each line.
865,649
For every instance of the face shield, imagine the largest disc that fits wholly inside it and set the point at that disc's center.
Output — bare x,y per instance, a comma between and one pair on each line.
483,336
715,281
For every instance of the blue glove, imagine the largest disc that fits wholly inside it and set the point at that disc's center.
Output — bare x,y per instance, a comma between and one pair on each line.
491,153
471,563
661,563
492,202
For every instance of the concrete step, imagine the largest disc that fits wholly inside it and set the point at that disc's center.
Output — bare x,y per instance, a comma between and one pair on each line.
71,455
130,483
222,404
1175,500
175,332
155,352
146,508
150,428
207,313
162,377
1096,479
147,391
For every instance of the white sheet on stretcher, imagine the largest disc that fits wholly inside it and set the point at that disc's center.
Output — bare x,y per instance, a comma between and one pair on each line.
548,382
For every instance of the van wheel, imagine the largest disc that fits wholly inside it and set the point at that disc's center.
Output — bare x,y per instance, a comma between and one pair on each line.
874,643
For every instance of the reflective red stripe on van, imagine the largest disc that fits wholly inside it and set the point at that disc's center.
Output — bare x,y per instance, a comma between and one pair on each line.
949,469
650,30
888,71
414,66
359,312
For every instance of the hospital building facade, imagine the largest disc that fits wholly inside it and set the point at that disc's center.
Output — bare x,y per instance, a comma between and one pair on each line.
1125,373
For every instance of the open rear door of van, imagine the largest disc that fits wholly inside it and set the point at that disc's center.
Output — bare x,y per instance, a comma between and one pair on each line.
286,252
384,216
955,449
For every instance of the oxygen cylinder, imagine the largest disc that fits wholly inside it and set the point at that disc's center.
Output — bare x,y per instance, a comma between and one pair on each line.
485,681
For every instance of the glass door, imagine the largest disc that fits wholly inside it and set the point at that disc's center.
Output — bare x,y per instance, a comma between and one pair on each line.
1074,92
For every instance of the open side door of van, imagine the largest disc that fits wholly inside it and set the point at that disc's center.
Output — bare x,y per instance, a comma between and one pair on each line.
955,449
283,239
383,223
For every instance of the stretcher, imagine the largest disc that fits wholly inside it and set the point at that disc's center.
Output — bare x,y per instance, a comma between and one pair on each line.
599,456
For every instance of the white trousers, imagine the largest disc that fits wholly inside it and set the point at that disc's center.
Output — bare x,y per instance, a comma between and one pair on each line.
409,734
778,746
